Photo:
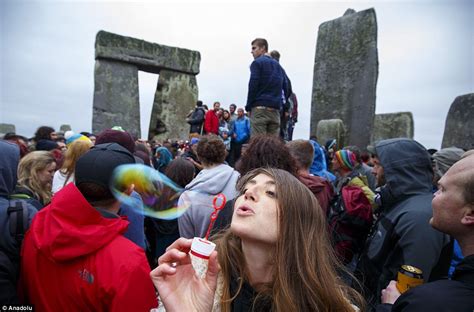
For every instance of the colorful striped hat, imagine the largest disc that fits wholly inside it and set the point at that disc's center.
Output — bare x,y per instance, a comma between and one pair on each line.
346,159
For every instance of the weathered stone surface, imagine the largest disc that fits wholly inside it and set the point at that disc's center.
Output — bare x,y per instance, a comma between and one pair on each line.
64,128
116,101
331,129
175,96
345,75
393,125
147,56
459,128
5,128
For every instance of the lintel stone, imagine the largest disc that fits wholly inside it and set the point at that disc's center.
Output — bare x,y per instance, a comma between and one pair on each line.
147,56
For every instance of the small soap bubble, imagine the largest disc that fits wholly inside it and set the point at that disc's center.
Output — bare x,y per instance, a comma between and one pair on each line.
160,195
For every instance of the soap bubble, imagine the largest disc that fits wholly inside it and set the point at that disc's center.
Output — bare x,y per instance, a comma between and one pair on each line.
160,195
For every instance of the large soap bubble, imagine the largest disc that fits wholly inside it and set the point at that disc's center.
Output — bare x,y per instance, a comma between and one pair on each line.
159,193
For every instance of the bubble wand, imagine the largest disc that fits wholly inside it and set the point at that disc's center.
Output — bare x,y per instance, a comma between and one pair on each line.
214,214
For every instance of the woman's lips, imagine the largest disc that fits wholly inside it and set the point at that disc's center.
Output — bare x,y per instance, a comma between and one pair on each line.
245,211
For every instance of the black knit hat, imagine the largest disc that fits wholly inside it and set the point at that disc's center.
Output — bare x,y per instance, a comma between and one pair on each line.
97,165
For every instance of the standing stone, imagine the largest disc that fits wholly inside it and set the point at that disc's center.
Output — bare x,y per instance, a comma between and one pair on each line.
6,128
116,101
459,129
345,74
176,95
393,125
331,129
64,128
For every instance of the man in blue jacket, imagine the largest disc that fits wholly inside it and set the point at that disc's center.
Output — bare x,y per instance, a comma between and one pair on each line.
267,88
240,135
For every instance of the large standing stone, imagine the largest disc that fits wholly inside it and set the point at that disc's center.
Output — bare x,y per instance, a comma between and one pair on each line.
393,125
331,129
459,128
116,100
176,95
64,128
345,74
6,128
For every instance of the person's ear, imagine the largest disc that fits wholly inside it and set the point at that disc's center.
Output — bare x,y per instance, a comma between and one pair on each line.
468,218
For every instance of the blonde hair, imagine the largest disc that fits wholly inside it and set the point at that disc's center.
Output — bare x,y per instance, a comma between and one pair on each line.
75,150
28,170
305,269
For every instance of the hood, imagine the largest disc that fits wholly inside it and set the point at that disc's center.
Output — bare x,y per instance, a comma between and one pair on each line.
314,183
9,159
70,227
212,181
407,166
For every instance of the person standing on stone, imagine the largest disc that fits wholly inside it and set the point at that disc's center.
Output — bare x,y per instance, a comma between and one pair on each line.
211,123
196,119
285,108
264,100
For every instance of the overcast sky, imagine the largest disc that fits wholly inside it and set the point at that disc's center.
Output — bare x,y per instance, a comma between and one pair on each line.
425,48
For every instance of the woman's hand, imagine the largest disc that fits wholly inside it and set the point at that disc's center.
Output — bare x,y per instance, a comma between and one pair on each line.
178,286
391,293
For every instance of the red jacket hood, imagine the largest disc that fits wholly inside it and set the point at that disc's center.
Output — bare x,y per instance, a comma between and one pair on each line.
70,227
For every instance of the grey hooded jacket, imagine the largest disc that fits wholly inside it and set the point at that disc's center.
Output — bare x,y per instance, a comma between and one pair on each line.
199,194
402,233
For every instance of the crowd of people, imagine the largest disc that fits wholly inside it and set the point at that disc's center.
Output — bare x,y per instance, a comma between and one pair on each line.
306,226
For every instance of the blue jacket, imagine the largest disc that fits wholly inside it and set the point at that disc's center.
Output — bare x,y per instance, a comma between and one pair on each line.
241,127
267,82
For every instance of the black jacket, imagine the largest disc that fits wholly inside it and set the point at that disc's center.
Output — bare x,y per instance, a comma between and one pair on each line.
196,120
456,295
402,233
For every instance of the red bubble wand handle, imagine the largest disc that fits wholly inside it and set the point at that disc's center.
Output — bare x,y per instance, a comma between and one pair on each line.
214,214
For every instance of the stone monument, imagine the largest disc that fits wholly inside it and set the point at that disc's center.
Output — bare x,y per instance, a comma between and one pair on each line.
393,125
331,129
345,74
116,100
459,128
6,128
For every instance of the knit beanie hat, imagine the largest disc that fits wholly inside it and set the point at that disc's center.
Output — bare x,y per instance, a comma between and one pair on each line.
346,159
71,137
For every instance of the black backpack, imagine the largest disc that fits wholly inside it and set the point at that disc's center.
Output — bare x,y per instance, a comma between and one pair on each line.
17,221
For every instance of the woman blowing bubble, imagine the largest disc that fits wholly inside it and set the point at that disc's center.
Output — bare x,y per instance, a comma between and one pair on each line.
274,257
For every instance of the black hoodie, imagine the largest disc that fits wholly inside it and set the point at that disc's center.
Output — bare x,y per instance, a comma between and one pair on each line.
9,248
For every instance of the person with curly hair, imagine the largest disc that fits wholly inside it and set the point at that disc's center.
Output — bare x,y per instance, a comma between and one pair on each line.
266,151
216,177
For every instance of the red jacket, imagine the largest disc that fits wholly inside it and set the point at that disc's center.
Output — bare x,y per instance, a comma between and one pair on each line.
211,122
320,188
74,259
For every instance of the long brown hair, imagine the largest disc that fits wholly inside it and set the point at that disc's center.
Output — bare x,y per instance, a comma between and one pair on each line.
304,272
74,151
28,170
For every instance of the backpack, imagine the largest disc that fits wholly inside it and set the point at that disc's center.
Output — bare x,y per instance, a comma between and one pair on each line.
17,222
350,218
